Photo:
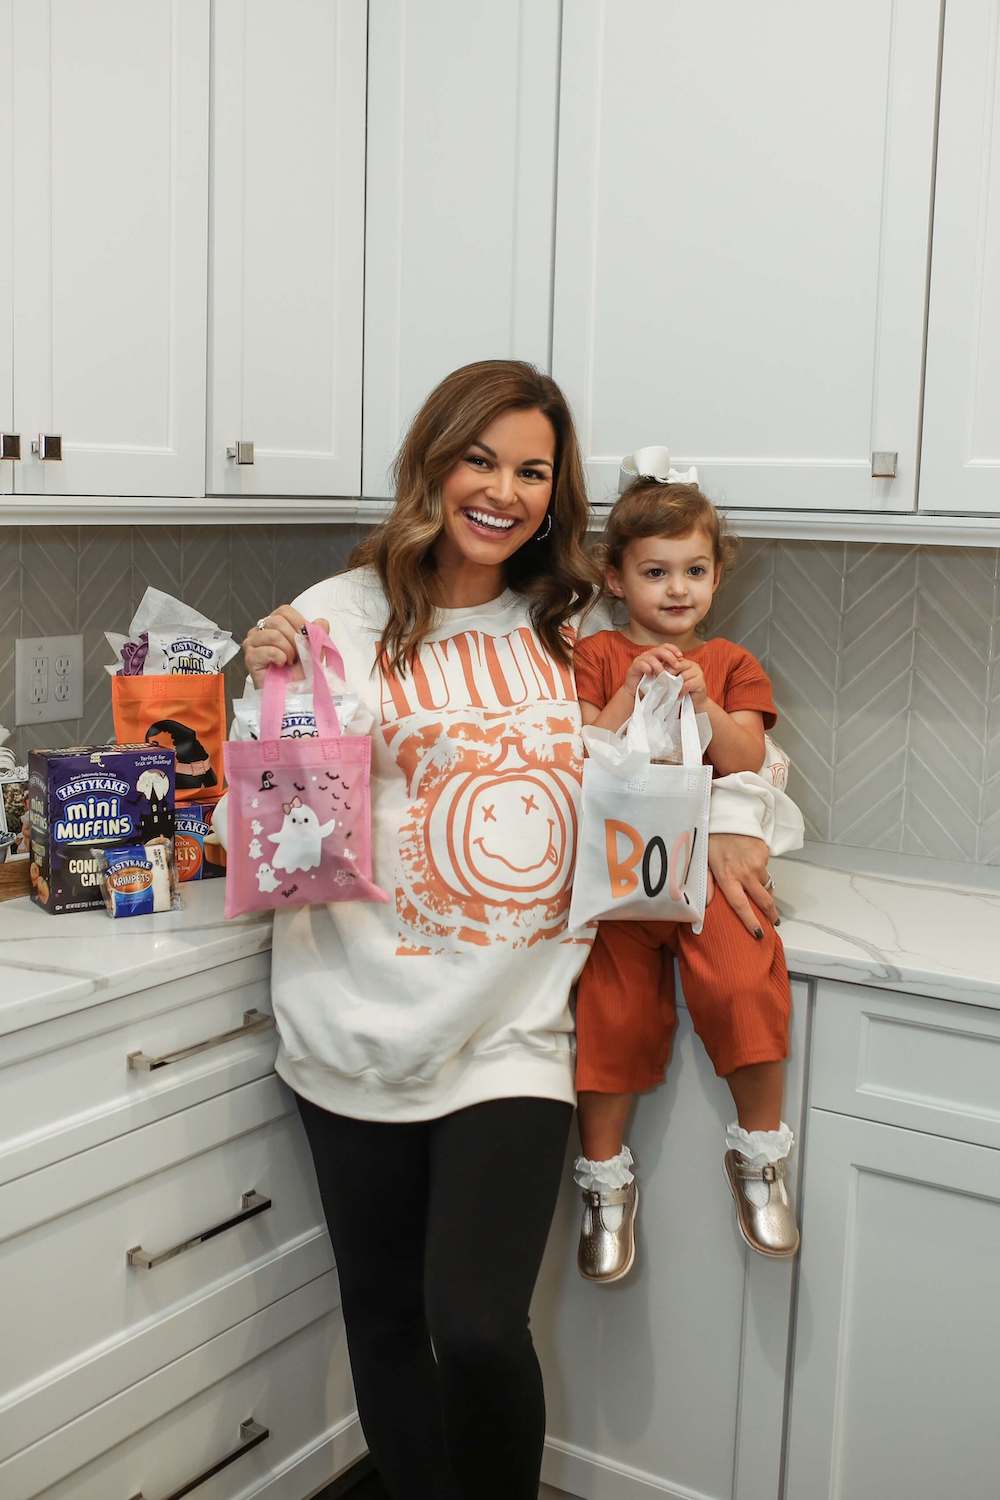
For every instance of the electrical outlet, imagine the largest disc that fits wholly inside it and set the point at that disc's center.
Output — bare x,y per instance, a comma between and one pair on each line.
48,679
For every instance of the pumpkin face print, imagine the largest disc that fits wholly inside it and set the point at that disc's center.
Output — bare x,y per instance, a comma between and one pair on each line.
487,853
505,834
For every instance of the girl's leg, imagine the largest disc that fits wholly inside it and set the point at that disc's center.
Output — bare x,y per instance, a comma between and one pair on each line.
373,1180
625,1021
602,1119
495,1170
739,999
757,1091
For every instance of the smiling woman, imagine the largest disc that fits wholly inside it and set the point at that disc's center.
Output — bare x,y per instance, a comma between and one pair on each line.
429,1041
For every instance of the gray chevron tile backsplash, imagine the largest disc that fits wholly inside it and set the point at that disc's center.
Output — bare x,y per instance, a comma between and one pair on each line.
89,579
885,659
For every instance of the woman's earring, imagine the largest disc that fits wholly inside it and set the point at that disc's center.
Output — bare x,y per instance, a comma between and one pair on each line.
541,535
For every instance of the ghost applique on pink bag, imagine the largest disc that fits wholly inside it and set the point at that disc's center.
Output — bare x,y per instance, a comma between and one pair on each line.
299,811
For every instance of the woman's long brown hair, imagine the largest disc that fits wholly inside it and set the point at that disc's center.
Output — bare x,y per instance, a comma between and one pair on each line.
554,572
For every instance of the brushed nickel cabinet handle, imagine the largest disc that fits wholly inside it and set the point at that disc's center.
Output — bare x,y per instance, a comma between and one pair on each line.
884,465
48,447
10,445
253,1021
252,1434
241,452
251,1204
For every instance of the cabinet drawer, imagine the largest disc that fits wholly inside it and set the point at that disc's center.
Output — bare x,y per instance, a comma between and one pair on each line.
73,1297
927,1064
286,1368
69,1084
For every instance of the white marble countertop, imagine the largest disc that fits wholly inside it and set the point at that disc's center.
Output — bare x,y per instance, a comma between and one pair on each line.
909,925
891,921
50,966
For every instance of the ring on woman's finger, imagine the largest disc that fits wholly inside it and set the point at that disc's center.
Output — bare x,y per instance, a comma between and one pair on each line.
769,883
264,624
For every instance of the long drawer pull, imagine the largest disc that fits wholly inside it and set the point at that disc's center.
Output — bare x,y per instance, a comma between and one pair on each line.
251,1204
252,1434
253,1021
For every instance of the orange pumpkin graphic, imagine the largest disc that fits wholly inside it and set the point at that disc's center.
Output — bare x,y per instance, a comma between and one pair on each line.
506,834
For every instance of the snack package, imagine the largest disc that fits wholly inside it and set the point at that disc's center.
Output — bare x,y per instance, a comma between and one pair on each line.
138,880
91,800
187,651
198,854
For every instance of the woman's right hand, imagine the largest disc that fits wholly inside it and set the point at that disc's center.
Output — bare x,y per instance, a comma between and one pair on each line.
650,664
275,642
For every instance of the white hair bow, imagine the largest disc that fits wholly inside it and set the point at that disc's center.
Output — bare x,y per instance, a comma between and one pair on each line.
652,463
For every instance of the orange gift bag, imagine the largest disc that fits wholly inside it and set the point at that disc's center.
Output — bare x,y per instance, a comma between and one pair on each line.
186,714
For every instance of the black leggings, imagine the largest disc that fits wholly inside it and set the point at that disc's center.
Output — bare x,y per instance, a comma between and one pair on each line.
438,1229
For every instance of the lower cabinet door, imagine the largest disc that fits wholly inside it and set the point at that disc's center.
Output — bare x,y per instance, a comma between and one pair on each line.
265,1409
118,1260
895,1385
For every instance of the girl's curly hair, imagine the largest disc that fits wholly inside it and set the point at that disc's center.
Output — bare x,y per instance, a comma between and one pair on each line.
649,508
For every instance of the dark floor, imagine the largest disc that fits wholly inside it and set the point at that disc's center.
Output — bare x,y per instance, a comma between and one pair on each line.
359,1483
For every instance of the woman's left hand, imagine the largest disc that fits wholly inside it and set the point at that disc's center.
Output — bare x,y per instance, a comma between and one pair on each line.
739,864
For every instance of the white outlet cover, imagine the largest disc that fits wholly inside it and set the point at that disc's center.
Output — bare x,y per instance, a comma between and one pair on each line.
68,704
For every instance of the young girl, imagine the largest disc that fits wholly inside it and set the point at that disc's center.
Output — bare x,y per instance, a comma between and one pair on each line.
665,553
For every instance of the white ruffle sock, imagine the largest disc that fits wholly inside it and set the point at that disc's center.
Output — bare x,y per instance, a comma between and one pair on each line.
760,1148
605,1176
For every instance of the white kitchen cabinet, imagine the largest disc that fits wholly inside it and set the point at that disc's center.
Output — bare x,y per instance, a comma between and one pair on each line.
287,256
110,209
742,233
671,1381
6,252
162,1243
960,469
462,111
284,1369
894,1386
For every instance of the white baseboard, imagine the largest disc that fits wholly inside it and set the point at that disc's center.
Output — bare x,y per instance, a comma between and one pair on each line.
312,1469
590,1476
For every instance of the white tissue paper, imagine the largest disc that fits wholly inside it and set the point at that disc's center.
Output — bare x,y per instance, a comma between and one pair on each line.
654,735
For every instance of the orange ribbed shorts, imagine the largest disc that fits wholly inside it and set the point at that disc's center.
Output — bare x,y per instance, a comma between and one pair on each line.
735,987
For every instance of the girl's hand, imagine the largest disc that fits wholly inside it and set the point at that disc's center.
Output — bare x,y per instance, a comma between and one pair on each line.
650,664
275,642
694,684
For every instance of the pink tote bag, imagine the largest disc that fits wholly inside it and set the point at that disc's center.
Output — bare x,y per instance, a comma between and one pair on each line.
299,812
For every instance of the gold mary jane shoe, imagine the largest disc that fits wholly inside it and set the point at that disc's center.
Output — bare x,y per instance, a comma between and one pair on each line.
606,1254
770,1229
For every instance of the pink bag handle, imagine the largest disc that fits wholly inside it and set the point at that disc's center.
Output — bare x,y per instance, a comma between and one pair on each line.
276,680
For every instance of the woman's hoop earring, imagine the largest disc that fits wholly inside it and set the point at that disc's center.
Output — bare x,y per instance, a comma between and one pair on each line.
541,535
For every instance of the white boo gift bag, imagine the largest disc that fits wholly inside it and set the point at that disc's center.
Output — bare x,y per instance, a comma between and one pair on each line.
643,849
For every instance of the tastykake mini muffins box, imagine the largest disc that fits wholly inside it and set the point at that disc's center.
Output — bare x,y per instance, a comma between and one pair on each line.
83,801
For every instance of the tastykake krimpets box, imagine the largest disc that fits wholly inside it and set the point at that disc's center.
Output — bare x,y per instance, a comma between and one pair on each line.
86,800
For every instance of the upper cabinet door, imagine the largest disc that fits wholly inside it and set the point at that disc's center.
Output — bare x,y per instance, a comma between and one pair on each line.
461,170
961,444
6,249
742,226
110,236
287,266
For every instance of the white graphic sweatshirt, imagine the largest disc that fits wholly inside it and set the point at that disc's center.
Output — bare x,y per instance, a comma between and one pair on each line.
457,990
